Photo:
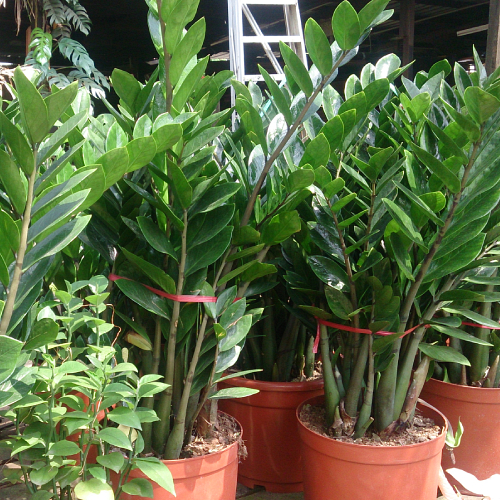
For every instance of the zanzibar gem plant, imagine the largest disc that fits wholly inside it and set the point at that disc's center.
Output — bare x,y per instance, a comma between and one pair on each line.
398,231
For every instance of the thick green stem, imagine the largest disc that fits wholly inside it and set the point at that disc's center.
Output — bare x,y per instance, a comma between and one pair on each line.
147,427
365,419
357,378
269,344
332,396
176,437
23,245
164,408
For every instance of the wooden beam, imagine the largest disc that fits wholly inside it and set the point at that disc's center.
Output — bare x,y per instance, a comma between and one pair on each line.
407,32
493,42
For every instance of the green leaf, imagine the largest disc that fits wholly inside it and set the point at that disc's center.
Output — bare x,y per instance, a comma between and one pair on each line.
93,489
318,47
166,135
297,69
176,15
252,122
401,254
317,152
281,227
10,350
277,95
125,416
480,104
207,253
235,333
56,241
157,472
18,144
257,270
201,140
140,152
44,475
33,109
329,272
183,90
188,47
464,122
444,354
376,92
460,334
370,12
339,304
10,177
58,102
139,486
333,130
144,297
346,26
449,179
115,165
127,87
214,197
478,318
156,237
234,392
448,142
404,222
300,179
44,332
181,186
113,461
461,295
63,449
114,437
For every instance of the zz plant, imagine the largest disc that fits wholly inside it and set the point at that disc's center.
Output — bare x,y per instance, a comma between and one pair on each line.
405,182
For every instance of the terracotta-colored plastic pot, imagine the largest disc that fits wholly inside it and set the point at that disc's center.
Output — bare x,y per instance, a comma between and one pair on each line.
347,471
271,435
479,411
209,477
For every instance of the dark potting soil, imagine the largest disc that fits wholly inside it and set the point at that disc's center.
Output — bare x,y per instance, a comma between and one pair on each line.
423,429
223,433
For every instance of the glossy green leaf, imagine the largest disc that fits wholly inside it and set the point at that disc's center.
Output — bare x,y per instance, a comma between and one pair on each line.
333,130
461,295
297,69
157,472
338,303
376,92
44,475
93,489
43,332
140,152
403,259
139,486
33,108
114,437
329,272
318,47
444,354
166,135
317,152
215,197
127,87
449,179
10,177
58,102
184,89
201,140
10,349
115,165
123,415
176,15
188,47
17,144
156,237
346,26
448,142
370,12
405,223
63,449
460,334
252,122
257,270
464,122
234,392
182,188
277,95
480,104
477,318
300,179
281,227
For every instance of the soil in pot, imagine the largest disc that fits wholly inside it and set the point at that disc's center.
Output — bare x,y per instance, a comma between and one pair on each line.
271,435
479,411
346,470
209,474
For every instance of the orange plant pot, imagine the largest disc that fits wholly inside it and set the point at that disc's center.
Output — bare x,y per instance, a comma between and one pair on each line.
271,435
346,471
479,411
209,477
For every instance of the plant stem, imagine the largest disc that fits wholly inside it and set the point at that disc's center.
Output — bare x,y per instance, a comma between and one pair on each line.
163,426
167,58
269,163
23,245
332,396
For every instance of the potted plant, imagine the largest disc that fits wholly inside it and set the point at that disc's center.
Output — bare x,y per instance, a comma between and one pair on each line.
383,239
282,346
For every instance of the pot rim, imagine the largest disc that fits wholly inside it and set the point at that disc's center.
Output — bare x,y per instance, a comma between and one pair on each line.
347,445
465,393
266,386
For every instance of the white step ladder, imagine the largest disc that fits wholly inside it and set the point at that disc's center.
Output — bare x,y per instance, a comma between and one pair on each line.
294,36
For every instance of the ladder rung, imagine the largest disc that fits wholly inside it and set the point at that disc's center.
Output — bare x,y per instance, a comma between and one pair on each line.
272,39
270,2
260,78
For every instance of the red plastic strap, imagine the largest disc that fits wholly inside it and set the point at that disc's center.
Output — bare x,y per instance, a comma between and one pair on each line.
346,328
161,293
